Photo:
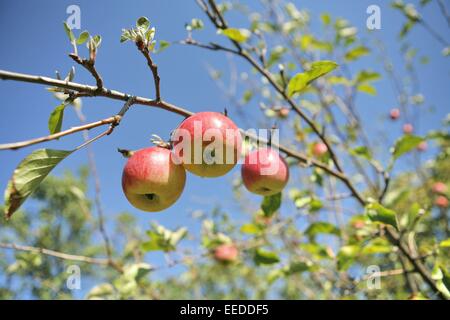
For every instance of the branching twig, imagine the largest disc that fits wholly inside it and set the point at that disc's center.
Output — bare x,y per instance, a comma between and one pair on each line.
89,65
154,68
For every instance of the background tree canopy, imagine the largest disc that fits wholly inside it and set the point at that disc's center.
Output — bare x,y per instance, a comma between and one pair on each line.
366,219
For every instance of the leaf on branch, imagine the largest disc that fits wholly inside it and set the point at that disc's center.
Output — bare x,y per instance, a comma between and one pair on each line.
321,227
97,40
265,257
356,53
250,228
301,80
69,32
271,204
163,239
28,175
238,35
377,213
83,37
143,23
367,88
163,45
405,144
56,119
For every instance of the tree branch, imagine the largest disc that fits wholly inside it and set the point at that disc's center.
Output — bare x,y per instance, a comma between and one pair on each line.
56,254
88,126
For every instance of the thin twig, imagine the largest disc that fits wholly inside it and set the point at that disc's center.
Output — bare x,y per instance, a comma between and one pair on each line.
56,254
154,68
88,126
89,65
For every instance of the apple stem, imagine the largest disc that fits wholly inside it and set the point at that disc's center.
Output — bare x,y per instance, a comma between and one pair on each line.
125,153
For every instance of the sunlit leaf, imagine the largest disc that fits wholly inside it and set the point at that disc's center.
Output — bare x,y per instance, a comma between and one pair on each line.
301,80
356,53
238,35
28,175
83,37
69,32
250,228
405,144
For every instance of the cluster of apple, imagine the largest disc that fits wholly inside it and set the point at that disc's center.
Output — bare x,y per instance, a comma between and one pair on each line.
408,128
154,178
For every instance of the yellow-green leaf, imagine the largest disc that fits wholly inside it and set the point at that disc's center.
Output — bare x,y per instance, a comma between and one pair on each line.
28,175
301,80
238,35
405,144
377,213
56,119
356,53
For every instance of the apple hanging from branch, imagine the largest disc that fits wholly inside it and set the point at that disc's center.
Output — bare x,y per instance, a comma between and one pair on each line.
208,143
264,172
152,179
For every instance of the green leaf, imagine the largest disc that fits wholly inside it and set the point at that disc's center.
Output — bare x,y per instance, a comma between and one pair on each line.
83,37
366,76
301,80
321,227
367,88
377,213
28,175
56,119
405,144
271,204
163,239
126,35
143,23
263,257
97,40
163,45
377,246
361,151
250,228
69,32
356,53
238,35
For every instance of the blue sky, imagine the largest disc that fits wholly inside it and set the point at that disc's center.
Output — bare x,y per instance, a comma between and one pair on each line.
34,42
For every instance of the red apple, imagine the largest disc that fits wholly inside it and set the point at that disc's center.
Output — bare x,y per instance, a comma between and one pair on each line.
208,143
441,202
226,253
423,146
408,128
264,172
152,180
439,187
319,149
394,114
